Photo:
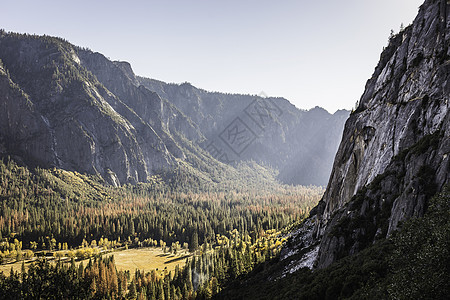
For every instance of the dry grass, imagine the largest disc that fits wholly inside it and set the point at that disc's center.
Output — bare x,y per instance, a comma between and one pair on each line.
144,259
17,266
147,259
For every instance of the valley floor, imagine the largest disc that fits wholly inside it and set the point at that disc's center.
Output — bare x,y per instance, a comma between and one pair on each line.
143,259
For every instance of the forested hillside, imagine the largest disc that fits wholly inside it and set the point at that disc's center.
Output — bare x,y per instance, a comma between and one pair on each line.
57,215
41,204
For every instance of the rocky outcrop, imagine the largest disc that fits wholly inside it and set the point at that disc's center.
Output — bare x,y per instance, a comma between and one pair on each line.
86,127
161,115
395,148
22,127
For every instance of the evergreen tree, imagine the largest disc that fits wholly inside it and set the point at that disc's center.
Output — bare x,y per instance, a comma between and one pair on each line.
193,245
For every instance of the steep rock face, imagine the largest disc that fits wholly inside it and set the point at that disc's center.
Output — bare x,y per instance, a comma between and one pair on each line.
395,148
22,128
91,129
119,78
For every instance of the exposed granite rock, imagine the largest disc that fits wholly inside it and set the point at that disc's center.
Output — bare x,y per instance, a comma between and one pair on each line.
394,153
119,78
395,149
22,127
90,129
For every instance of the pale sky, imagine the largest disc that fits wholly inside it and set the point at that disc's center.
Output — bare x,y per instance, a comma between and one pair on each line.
310,52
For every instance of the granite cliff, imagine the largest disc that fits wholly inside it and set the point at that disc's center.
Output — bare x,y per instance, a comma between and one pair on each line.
394,153
84,127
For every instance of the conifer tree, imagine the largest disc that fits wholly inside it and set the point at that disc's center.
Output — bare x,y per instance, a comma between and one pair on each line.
193,245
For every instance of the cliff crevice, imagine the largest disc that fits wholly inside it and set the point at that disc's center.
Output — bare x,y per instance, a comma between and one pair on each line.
394,152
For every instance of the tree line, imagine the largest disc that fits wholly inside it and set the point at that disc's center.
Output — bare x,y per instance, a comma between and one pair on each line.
45,208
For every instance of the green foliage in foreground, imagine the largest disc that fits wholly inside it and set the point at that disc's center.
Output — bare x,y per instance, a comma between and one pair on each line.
413,264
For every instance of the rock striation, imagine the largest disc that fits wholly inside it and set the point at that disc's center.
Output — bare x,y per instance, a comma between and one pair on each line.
395,149
57,113
394,153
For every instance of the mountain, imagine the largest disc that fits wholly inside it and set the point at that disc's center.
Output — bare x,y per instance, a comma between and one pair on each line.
77,123
68,107
299,144
394,153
